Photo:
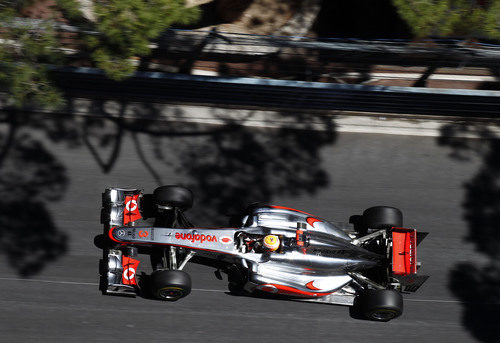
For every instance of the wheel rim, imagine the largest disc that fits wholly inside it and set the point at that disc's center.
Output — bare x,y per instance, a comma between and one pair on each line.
170,293
383,314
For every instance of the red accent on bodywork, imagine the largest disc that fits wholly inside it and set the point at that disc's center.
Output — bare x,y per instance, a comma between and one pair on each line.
299,238
404,251
131,210
129,270
110,234
290,209
312,220
286,290
311,286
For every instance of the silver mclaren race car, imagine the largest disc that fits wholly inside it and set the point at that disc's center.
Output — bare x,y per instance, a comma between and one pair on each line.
367,263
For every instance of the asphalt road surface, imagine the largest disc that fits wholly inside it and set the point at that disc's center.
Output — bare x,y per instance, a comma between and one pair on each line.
54,169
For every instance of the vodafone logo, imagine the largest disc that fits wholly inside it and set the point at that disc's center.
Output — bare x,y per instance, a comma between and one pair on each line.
194,237
225,239
131,205
129,273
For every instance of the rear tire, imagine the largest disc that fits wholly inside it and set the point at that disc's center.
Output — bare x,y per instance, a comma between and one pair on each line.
379,305
170,285
382,217
173,196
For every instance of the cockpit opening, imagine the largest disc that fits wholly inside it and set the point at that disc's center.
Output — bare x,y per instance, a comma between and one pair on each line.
256,243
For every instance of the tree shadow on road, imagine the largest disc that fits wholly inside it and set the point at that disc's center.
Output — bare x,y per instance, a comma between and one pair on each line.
478,286
30,177
241,165
232,164
228,164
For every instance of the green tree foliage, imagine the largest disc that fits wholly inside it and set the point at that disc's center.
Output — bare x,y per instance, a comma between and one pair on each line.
25,49
118,34
463,18
126,28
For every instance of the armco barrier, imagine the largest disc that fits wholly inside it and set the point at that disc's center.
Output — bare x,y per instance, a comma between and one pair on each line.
278,94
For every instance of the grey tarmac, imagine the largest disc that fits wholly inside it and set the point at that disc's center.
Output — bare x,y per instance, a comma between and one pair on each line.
50,293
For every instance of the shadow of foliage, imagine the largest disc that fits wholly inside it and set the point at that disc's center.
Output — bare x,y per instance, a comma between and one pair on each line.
30,176
478,287
228,165
462,149
29,237
240,165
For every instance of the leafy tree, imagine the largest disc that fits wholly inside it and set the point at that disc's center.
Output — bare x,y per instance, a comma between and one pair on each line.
464,18
119,33
24,50
126,28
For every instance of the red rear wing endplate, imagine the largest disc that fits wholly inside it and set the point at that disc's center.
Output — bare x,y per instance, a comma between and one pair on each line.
404,251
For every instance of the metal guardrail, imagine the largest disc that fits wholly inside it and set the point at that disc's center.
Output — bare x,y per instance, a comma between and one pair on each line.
277,94
440,52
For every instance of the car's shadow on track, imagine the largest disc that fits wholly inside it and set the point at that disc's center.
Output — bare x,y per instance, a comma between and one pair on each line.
478,286
353,311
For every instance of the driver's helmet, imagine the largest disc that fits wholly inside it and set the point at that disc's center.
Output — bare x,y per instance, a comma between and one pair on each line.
271,242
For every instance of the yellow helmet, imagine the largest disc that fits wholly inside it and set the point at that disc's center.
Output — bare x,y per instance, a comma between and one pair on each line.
272,242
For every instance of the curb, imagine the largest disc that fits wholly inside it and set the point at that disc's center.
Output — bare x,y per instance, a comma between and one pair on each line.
339,121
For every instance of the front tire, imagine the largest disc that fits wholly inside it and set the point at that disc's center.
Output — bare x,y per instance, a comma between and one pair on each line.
173,196
379,305
170,285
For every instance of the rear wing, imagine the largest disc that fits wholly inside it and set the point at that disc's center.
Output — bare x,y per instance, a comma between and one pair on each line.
404,251
404,258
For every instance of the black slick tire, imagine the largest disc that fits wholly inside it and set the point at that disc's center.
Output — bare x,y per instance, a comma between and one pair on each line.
382,217
173,196
170,285
379,305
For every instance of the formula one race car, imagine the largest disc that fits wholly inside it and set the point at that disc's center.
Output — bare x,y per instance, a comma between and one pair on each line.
366,264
